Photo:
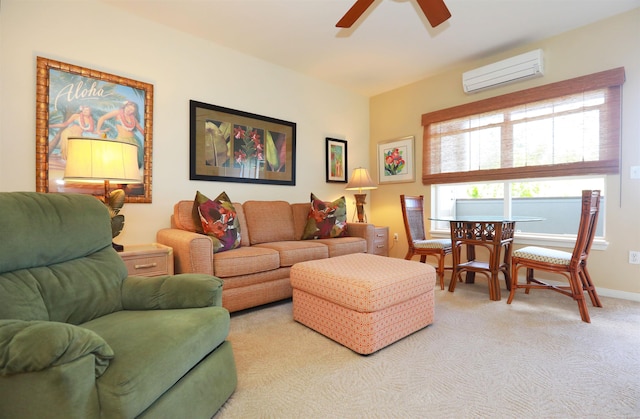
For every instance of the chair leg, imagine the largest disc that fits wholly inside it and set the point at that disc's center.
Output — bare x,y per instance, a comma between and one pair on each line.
529,279
452,283
441,270
514,282
588,285
578,294
506,271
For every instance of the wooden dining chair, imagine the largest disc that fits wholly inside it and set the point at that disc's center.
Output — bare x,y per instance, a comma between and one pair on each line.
573,266
413,215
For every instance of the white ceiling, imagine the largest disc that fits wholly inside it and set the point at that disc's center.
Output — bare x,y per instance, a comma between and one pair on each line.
391,45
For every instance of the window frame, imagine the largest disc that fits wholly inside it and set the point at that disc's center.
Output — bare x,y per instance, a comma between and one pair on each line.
520,238
611,80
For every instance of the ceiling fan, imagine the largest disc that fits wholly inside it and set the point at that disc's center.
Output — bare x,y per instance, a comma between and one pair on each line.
435,11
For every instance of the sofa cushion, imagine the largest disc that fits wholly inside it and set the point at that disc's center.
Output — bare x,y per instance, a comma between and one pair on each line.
74,292
269,221
300,214
245,261
149,361
344,245
292,252
326,219
183,217
57,261
80,224
246,234
219,221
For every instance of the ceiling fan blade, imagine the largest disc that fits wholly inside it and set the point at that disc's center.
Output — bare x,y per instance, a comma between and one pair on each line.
435,11
354,13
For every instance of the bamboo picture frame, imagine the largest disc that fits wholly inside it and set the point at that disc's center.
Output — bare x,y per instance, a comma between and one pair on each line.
75,101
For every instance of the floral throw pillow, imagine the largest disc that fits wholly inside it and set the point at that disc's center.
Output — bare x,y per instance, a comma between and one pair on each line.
218,220
326,219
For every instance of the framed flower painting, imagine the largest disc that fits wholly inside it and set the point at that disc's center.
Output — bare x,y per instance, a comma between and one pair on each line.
229,145
396,162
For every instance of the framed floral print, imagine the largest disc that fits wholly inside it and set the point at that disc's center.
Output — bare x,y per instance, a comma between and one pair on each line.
396,161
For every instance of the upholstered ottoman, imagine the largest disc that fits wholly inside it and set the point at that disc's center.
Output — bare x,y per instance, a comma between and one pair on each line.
364,302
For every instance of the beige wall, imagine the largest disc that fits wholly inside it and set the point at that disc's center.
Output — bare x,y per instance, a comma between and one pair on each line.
601,46
180,67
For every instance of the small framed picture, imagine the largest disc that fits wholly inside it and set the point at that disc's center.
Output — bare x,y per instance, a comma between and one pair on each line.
336,156
396,162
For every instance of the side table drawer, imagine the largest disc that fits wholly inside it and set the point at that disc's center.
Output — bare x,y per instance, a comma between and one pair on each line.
147,265
148,260
381,241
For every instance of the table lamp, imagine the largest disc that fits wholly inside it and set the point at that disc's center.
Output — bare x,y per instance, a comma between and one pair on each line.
360,180
101,160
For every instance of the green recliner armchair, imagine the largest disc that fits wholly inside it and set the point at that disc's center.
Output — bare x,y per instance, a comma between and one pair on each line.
81,339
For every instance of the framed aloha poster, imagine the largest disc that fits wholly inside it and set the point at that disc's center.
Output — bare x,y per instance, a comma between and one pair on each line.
336,160
230,145
396,162
73,101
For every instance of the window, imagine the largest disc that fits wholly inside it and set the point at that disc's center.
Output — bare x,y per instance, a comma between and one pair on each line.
557,201
569,128
526,153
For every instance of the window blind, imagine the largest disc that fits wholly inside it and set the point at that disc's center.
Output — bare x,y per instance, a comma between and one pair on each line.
566,128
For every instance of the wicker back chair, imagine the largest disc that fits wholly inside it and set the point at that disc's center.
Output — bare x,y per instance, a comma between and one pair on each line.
413,215
573,266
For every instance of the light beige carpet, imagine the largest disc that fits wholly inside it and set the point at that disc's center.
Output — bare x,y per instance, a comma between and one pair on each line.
534,358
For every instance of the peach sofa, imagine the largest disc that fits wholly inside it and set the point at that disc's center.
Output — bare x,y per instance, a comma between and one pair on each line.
257,272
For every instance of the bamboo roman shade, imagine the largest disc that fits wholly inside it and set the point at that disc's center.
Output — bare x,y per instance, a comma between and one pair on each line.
566,128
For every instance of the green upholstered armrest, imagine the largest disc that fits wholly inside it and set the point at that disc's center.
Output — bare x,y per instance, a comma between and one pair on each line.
29,346
171,292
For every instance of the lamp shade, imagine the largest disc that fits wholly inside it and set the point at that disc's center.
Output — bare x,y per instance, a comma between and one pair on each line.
360,180
95,160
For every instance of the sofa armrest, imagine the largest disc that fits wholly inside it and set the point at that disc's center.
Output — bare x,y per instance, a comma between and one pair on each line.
171,292
364,230
192,252
30,346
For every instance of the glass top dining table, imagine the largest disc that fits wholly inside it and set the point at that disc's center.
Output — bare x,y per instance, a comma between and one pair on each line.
487,218
493,233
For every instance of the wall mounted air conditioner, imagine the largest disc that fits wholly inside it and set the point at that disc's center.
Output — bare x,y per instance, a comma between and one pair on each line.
520,67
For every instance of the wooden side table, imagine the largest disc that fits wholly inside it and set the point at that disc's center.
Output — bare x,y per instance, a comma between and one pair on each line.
152,259
381,241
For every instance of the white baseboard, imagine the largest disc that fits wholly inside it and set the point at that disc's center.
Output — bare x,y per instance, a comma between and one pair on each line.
605,292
